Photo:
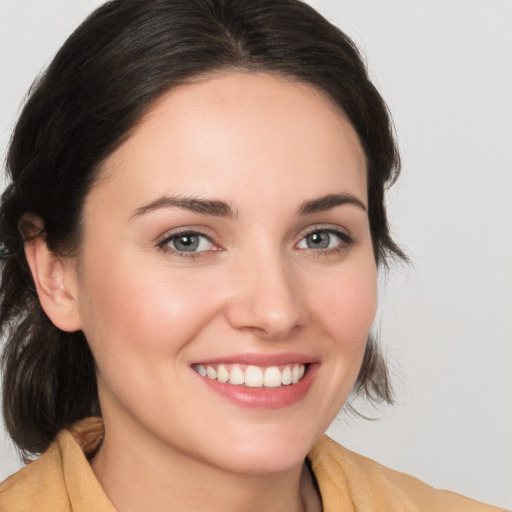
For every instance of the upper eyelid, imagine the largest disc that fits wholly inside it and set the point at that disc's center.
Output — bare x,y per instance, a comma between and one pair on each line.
323,227
168,235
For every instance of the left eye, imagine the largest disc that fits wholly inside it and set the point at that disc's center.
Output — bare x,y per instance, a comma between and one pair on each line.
321,239
189,242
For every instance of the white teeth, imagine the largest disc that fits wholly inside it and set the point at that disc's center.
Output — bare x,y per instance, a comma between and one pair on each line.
211,372
222,374
272,378
253,376
201,370
295,374
286,376
236,375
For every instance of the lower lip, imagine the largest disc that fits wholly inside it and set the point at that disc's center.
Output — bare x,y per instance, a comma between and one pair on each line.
264,398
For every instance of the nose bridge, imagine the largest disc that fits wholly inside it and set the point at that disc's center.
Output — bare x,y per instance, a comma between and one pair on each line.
266,295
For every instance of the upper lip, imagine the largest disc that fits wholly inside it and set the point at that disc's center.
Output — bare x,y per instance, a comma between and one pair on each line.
260,359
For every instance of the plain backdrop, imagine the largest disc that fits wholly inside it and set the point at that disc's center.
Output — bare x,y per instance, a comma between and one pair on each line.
445,69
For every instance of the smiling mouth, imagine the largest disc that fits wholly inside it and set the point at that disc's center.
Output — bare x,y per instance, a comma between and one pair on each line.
253,376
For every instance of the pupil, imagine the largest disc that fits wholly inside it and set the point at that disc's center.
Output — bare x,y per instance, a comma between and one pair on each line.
318,240
186,240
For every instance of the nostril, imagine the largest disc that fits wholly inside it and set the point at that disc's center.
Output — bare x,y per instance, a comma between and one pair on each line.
265,299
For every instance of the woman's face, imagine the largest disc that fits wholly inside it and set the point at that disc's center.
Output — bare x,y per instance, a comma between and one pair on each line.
229,236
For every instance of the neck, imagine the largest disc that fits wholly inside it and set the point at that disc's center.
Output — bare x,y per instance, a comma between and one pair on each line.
150,476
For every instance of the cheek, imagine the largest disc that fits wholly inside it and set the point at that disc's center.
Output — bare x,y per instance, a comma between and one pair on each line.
345,304
137,312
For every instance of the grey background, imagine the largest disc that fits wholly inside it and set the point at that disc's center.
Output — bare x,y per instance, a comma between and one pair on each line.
445,69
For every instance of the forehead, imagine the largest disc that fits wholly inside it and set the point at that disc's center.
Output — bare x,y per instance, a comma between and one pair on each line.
238,129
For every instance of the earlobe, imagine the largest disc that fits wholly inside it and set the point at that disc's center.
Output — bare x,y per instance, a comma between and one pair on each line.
52,277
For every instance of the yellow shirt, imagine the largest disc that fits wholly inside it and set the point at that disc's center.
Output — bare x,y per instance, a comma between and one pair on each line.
61,480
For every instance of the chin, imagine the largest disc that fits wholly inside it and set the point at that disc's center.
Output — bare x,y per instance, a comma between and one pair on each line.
268,451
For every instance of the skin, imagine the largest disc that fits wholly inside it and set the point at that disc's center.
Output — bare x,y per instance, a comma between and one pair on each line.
264,146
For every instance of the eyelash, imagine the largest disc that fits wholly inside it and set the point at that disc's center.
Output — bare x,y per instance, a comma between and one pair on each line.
346,242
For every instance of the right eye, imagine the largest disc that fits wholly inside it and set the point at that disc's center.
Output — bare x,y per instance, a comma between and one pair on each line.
190,241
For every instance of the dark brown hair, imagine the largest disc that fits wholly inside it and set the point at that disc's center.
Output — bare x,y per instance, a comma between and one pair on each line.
105,77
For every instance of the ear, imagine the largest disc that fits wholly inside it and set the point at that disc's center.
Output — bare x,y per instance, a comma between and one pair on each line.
54,277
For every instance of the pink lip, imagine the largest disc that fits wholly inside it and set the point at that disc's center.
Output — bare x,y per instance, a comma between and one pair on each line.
260,359
263,398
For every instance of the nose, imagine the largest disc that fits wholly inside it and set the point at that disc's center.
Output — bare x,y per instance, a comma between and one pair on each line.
266,298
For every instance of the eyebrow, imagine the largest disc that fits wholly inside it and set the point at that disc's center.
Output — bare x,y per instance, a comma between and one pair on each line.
329,201
204,206
219,208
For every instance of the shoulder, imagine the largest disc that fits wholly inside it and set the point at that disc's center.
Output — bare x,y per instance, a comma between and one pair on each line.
36,487
369,485
61,479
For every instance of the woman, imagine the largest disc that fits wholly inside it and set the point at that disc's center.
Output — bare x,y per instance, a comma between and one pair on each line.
191,240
